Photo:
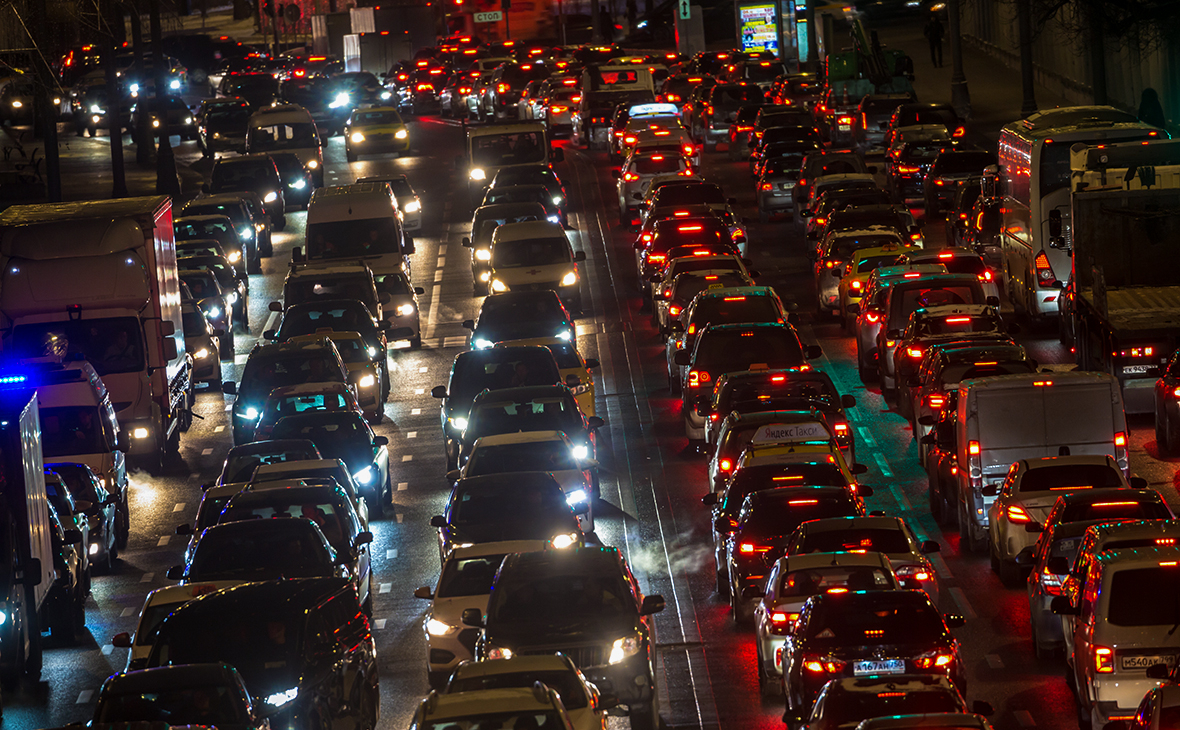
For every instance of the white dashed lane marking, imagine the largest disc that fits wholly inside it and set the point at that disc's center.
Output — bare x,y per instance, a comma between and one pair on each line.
84,696
403,486
129,611
391,553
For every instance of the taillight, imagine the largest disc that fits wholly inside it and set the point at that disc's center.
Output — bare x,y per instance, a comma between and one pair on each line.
841,430
908,169
973,448
974,465
917,572
502,88
986,276
697,378
655,258
724,465
939,183
673,311
856,284
1051,582
425,87
1103,659
749,548
689,149
872,317
914,352
782,618
767,186
630,140
1120,448
630,177
558,109
820,665
1045,275
844,120
959,132
932,661
1017,515
935,401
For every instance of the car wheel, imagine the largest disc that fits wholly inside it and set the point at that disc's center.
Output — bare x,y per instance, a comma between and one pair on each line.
739,607
645,716
722,583
1161,434
763,216
416,342
867,372
279,223
1171,440
968,543
349,155
225,344
934,499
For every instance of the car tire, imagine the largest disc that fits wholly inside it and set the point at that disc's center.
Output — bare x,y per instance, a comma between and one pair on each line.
867,372
1171,439
763,216
968,543
376,506
934,499
349,155
645,716
1161,434
225,344
739,608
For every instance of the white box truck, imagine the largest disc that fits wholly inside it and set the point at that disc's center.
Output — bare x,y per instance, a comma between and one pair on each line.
98,280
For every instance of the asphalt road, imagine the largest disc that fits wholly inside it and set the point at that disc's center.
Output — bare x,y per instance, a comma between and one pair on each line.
651,484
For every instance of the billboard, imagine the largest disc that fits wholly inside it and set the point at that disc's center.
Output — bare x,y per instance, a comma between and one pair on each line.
759,27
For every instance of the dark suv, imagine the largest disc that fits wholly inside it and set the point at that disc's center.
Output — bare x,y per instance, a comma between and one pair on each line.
585,603
255,173
825,162
721,109
303,647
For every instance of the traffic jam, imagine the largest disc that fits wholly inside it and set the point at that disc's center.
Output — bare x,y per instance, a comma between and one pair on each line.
744,381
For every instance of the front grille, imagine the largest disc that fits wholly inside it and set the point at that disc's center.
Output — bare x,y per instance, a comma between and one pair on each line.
468,637
587,655
537,286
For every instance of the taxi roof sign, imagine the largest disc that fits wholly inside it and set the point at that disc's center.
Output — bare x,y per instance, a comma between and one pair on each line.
774,433
654,110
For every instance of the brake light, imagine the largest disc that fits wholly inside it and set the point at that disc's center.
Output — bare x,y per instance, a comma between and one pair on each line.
629,140
844,120
933,660
779,618
986,276
959,132
673,310
689,149
655,258
939,183
464,89
908,169
425,87
1045,275
1017,515
558,109
1138,352
873,317
1120,439
819,666
1120,447
936,401
1103,660
734,299
749,548
841,429
501,88
672,97
724,465
766,186
630,177
973,448
958,320
690,228
1051,582
697,378
914,352
657,158
856,284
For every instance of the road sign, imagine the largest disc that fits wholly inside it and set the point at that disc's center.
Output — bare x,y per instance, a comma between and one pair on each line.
493,17
685,9
292,13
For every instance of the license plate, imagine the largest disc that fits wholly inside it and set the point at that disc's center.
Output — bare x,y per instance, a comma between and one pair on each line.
1135,369
885,666
844,127
1143,662
787,186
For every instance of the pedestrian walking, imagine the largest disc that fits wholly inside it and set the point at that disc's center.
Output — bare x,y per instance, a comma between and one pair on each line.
1150,110
934,32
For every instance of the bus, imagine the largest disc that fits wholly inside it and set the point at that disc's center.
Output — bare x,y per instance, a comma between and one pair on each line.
1034,179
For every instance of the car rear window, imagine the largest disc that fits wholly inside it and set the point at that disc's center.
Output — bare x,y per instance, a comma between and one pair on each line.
955,324
693,194
908,299
1116,509
874,622
1070,476
731,96
1145,597
853,707
967,371
844,246
965,162
688,287
771,476
875,262
857,539
813,581
659,164
737,308
781,516
945,117
731,350
468,576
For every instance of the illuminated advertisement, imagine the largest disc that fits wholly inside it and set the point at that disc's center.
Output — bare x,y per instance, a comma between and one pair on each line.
759,25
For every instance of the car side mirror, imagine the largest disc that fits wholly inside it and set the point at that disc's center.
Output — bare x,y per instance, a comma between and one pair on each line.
419,291
1138,483
1061,606
858,469
682,358
814,352
928,439
852,307
926,420
616,174
930,546
469,324
1058,565
954,620
731,201
438,391
864,490
1024,558
876,513
275,307
121,640
364,537
893,335
270,334
848,401
983,707
723,525
591,363
453,475
472,617
709,499
466,242
1033,527
990,490
424,593
438,521
594,422
229,387
558,154
607,701
579,256
381,441
72,536
184,529
651,604
992,301
751,593
176,572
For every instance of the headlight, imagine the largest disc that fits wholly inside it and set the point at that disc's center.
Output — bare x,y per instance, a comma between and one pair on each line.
499,286
569,279
140,433
270,197
246,233
371,351
557,199
623,648
96,109
497,652
299,184
96,119
56,100
477,173
576,496
367,381
459,423
386,95
93,548
580,451
313,164
485,275
364,476
188,120
413,206
251,414
434,627
217,135
133,88
553,218
482,344
357,138
3,617
202,353
231,298
16,104
483,254
340,100
564,335
405,310
234,256
564,540
175,84
278,699
213,312
155,122
401,134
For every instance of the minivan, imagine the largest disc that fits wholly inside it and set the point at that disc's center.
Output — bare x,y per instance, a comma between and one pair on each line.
356,222
287,128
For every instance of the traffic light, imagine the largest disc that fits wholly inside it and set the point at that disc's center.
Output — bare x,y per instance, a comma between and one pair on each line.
268,7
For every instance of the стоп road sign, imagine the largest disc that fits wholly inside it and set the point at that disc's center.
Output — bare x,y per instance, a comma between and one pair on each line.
493,17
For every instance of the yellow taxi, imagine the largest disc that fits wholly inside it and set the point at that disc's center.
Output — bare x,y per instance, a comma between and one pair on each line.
364,370
855,276
801,463
575,369
375,130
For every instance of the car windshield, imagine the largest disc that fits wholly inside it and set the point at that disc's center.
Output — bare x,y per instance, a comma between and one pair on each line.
476,372
468,576
856,539
911,298
563,599
782,515
691,194
735,96
871,620
556,413
354,238
531,503
290,405
203,229
337,435
517,194
1070,476
1145,596
955,324
531,311
111,345
771,476
499,721
728,351
201,284
787,166
332,519
843,246
508,149
813,581
307,321
67,430
211,706
850,708
533,456
264,374
284,136
658,164
259,554
243,175
530,252
240,467
566,682
376,117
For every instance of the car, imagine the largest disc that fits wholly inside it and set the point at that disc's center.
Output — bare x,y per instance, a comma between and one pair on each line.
1156,708
605,629
365,373
337,315
170,110
963,197
233,282
297,179
575,369
672,296
221,125
741,429
241,461
821,163
261,621
213,303
852,703
919,114
775,182
315,282
764,524
64,607
228,553
288,400
313,471
156,607
721,106
484,222
888,535
234,207
210,695
854,275
216,227
464,582
520,315
373,130
959,261
507,506
256,173
870,309
475,371
871,121
680,236
408,202
793,579
202,340
534,193
538,705
692,192
673,140
99,508
861,634
348,437
724,348
531,408
1030,491
328,507
533,175
949,168
909,160
272,366
835,251
535,255
637,173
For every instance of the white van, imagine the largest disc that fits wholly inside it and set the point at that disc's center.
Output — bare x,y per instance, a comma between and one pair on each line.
1124,638
287,128
1006,418
356,223
492,147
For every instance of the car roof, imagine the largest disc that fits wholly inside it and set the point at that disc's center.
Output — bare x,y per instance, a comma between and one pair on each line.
481,702
1132,558
1049,462
293,595
321,269
943,310
522,478
203,218
523,437
179,593
518,663
527,230
1134,529
180,676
